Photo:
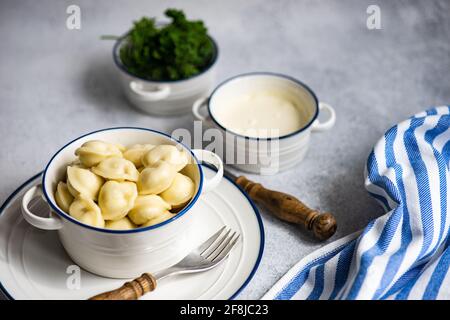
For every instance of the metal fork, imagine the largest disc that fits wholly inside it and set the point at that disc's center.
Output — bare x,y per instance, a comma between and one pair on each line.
205,257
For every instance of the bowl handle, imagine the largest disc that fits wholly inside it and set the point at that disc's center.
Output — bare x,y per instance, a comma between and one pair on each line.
156,93
198,104
213,159
327,124
50,223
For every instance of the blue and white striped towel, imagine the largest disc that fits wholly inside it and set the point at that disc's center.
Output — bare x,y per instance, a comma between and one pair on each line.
404,254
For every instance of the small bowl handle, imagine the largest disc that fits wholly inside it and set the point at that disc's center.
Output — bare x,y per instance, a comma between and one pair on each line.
50,223
213,159
156,93
198,104
327,124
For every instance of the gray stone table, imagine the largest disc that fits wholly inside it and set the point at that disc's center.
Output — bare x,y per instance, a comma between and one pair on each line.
56,84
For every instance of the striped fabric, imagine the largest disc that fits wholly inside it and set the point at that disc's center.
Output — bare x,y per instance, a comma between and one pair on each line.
405,253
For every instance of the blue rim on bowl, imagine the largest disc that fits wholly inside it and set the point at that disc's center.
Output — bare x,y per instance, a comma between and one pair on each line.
122,67
234,295
64,215
265,73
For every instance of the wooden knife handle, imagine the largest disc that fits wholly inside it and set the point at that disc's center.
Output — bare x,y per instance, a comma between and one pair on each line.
290,209
132,290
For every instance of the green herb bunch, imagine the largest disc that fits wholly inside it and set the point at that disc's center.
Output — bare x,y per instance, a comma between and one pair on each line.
174,51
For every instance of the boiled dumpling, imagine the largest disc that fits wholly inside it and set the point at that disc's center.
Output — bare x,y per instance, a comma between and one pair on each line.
121,224
86,211
148,207
116,199
77,163
117,169
166,153
161,218
135,153
120,147
92,152
63,196
156,179
83,181
180,191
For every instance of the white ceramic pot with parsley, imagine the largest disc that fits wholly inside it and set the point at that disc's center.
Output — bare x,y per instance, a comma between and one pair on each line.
164,68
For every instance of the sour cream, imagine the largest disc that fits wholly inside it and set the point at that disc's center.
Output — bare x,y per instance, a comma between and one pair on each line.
261,114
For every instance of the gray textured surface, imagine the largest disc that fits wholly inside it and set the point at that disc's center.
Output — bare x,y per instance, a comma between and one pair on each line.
57,84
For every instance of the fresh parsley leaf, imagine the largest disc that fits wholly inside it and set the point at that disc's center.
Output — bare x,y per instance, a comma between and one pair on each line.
178,50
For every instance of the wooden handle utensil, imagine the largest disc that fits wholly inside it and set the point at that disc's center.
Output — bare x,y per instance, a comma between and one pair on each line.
289,208
132,290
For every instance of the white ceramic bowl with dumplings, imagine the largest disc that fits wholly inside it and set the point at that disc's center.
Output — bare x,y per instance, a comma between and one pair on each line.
121,253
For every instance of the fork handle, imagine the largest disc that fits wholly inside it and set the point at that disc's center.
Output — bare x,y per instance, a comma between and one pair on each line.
131,290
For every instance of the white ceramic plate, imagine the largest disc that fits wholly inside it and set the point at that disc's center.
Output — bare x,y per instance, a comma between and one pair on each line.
33,264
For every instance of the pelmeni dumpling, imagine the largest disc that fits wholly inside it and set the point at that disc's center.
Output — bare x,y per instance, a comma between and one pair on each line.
92,152
116,169
77,163
135,153
180,191
161,218
121,224
120,147
86,211
116,199
63,196
166,153
156,179
83,181
148,207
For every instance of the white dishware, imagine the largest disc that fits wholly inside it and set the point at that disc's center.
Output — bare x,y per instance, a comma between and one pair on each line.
164,98
34,265
121,253
205,257
265,155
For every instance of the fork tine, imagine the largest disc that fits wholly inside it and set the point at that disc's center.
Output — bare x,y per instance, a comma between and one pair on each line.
226,250
214,246
222,246
207,243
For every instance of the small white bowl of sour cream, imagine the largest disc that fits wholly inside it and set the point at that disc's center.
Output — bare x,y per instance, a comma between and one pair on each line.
269,117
